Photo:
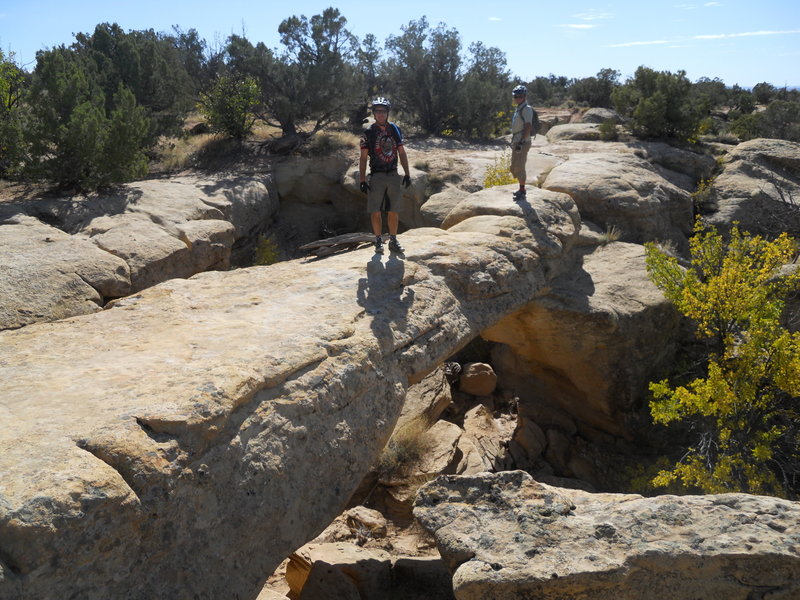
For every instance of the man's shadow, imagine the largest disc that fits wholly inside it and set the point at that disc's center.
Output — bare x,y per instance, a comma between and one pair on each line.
384,297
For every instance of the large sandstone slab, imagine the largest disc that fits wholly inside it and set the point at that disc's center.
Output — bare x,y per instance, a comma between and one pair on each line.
625,192
183,442
507,537
61,257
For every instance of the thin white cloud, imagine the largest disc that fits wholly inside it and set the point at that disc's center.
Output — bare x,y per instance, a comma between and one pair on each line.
715,36
686,6
594,15
495,19
713,4
719,36
578,26
627,44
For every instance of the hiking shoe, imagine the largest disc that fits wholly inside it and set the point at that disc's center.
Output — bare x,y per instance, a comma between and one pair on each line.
378,246
519,195
395,246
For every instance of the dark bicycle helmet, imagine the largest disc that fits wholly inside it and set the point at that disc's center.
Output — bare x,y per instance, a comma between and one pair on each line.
381,101
520,91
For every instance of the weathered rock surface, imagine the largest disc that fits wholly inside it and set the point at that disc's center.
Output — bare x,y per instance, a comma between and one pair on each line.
114,244
46,274
574,131
626,192
164,443
599,115
506,537
593,341
437,207
759,187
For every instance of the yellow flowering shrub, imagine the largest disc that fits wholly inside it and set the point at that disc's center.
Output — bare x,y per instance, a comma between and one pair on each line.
498,173
746,410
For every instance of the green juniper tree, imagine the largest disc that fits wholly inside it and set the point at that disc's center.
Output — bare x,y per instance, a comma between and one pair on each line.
12,115
314,79
424,72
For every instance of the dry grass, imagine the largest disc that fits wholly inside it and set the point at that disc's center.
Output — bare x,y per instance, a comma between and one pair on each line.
328,142
405,447
177,154
611,234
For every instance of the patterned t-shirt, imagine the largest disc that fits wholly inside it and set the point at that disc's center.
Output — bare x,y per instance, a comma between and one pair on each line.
382,144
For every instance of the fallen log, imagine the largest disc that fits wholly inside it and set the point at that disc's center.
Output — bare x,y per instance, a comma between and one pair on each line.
339,243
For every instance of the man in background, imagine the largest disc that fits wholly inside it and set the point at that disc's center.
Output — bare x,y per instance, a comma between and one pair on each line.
522,130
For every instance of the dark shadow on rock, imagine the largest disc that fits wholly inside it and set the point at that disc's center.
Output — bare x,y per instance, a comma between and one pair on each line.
384,297
71,213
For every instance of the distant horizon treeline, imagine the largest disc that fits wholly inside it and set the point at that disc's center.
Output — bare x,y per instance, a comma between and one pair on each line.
88,114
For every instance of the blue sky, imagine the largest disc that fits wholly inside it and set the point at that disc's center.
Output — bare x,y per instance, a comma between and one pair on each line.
741,42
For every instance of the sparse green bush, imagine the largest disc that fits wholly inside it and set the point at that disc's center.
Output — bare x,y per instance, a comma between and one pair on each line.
608,130
703,197
660,104
267,251
229,107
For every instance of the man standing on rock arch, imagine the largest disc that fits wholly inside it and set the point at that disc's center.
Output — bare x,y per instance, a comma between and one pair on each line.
382,143
523,128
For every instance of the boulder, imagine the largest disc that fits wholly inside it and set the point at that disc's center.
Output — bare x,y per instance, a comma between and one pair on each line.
600,115
105,245
625,192
359,572
363,518
426,400
759,188
153,254
489,437
46,274
673,162
202,430
504,536
573,131
478,379
437,207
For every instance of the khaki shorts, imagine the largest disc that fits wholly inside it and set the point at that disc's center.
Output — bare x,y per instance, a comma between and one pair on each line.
518,159
385,182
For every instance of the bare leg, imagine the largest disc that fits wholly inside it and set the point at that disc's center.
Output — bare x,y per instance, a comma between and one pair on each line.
392,219
377,224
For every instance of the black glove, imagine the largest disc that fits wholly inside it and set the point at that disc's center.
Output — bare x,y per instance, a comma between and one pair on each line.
406,181
364,187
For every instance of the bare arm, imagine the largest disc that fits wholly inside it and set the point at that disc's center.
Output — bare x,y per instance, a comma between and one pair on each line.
362,165
401,153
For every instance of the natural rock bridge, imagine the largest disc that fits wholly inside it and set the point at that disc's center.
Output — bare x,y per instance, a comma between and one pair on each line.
190,437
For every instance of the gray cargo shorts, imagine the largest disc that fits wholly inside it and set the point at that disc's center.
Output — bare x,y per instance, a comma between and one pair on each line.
388,183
